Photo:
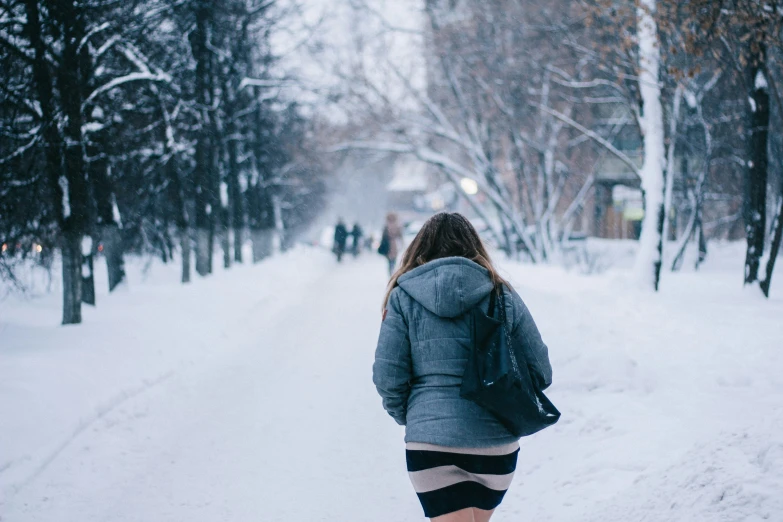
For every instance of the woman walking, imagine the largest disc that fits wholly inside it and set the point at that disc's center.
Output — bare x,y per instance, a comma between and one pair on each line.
461,459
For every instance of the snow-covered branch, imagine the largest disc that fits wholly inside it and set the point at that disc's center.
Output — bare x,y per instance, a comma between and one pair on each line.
128,78
593,136
259,82
92,32
20,150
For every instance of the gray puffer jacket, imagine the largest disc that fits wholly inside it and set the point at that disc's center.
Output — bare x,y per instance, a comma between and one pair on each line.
423,349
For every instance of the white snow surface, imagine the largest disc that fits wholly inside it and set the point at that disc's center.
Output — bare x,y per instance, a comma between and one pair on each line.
115,211
247,395
63,182
760,81
224,194
690,99
86,245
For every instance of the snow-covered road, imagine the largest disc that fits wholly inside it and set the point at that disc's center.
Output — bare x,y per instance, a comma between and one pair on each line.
283,425
278,418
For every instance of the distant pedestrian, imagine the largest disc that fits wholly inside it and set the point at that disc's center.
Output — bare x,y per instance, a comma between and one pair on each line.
391,241
356,234
461,457
340,239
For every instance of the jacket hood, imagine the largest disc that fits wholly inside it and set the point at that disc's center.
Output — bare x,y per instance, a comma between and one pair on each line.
447,287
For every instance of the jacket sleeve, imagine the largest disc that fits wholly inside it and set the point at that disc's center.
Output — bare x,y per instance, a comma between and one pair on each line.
525,332
392,370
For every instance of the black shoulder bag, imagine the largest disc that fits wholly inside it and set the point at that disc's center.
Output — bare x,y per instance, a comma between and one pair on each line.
494,379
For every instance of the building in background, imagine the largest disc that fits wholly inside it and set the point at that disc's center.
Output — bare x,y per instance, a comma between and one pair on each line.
415,191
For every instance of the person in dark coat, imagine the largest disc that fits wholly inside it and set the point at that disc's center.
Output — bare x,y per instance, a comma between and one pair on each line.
340,239
357,234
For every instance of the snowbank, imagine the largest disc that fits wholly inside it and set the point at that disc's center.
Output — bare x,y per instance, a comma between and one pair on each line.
672,402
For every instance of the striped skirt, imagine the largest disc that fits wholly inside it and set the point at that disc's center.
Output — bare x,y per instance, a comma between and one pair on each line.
451,479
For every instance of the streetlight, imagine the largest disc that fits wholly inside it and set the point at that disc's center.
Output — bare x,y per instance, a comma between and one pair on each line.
469,186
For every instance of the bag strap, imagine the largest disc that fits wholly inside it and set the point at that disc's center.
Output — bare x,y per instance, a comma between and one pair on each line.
504,325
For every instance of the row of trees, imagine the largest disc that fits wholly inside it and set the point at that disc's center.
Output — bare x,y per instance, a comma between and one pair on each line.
155,125
743,41
536,101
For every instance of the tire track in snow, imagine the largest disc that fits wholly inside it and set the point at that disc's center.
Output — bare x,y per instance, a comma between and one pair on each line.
100,412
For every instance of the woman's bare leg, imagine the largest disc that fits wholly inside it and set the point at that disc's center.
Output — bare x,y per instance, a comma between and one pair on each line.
482,515
463,515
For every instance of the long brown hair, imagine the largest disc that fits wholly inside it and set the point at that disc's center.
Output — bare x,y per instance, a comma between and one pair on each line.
447,234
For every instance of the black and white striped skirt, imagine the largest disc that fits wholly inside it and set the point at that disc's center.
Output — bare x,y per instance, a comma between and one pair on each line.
450,479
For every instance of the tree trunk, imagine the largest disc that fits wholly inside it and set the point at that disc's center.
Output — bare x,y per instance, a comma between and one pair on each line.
44,86
87,272
702,241
218,213
287,242
76,215
669,182
777,235
56,180
263,243
755,202
202,217
234,191
72,278
261,206
694,221
203,168
262,232
179,197
647,266
184,241
202,251
277,210
211,246
687,236
181,218
113,251
108,228
225,237
96,147
239,234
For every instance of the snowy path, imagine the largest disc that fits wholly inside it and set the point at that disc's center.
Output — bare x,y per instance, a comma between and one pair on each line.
285,426
279,420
